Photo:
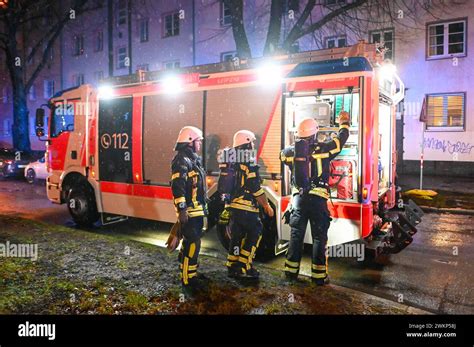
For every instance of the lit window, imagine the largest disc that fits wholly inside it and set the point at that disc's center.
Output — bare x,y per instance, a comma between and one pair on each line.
445,111
446,39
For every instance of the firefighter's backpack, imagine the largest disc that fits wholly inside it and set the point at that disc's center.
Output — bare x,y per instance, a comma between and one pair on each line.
227,178
302,165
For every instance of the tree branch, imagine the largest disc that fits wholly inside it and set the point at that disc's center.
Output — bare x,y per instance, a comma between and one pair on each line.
274,28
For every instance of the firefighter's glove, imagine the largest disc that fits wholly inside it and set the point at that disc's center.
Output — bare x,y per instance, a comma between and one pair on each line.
286,215
183,217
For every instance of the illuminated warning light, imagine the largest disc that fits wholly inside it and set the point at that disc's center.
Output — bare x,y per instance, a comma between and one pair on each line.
208,181
365,193
93,173
137,177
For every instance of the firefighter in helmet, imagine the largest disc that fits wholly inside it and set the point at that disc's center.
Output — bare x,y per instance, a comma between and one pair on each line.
189,192
309,162
245,224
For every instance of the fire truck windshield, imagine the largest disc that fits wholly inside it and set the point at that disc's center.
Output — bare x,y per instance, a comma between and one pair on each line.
62,119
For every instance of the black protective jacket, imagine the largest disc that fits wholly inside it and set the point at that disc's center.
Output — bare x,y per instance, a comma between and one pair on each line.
188,183
321,155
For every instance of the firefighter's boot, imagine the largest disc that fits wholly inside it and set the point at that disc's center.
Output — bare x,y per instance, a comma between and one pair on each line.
236,270
252,273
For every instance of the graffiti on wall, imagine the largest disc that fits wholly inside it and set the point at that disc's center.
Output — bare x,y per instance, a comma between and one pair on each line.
447,146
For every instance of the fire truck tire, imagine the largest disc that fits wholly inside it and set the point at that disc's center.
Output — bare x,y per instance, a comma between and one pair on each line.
82,205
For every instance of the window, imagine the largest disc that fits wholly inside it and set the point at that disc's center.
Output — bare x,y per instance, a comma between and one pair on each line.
122,60
122,12
384,39
78,45
50,51
5,95
98,75
6,127
30,60
334,2
171,64
228,56
144,30
143,67
446,40
99,41
171,24
48,89
336,41
77,80
32,93
445,111
226,17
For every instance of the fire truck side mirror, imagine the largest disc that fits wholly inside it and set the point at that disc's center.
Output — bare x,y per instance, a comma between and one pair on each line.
39,117
39,122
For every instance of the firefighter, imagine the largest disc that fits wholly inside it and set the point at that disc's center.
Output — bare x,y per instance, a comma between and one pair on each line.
245,225
309,162
189,192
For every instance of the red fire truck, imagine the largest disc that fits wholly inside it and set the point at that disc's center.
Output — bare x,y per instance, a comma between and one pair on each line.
109,150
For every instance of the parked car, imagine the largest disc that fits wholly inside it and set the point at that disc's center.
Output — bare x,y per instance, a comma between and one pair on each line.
36,170
13,163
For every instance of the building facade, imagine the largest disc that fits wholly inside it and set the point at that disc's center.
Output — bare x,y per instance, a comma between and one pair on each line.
431,52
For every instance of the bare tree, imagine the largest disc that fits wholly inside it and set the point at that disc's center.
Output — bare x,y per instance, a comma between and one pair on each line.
310,17
15,16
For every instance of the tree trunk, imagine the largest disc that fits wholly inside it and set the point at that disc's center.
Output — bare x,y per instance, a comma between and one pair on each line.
20,131
238,28
273,36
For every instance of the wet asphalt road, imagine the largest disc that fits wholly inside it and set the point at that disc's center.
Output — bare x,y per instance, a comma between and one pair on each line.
435,273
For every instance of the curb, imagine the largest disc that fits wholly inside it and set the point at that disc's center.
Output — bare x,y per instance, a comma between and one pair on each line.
448,210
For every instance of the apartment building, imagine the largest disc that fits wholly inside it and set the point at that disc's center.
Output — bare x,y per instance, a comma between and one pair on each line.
429,50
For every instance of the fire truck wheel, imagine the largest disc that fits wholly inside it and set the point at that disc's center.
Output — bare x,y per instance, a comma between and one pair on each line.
30,176
82,205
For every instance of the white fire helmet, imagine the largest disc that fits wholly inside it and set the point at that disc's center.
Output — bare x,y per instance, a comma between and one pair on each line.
243,137
307,127
188,134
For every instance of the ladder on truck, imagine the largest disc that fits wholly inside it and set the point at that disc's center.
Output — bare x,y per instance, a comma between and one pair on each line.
361,49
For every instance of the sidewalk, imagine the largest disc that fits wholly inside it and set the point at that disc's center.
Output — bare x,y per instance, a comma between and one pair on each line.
79,272
454,193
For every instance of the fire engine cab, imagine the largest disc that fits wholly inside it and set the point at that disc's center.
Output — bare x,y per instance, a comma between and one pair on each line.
109,149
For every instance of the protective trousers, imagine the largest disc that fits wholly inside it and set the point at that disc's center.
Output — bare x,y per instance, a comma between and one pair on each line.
246,234
313,208
191,245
